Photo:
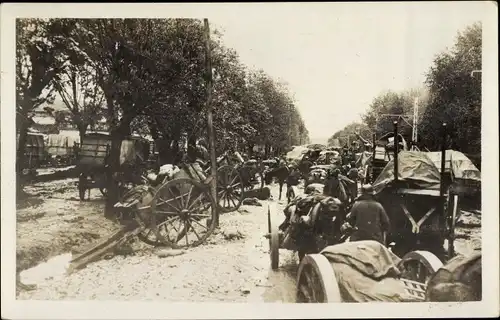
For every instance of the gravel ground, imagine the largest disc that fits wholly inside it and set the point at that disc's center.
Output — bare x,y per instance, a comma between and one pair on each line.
221,270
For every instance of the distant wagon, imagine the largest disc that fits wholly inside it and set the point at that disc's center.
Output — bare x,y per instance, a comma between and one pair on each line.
34,150
61,147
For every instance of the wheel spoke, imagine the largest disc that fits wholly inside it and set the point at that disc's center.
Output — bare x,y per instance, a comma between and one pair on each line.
192,228
236,185
305,292
197,222
167,202
232,181
234,204
310,281
198,199
186,225
201,215
168,213
188,196
174,197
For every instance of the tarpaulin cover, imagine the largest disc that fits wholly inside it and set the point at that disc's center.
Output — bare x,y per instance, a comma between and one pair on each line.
60,145
316,146
458,163
415,169
464,270
366,271
296,154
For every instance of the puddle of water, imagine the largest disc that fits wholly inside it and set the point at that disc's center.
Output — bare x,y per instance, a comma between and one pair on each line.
53,268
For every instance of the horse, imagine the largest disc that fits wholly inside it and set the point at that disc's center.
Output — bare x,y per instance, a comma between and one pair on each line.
283,174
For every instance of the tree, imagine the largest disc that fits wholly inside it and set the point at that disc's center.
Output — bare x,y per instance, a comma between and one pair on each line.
79,91
455,96
37,63
348,133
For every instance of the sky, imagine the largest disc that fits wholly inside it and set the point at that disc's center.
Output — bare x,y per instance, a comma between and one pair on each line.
337,57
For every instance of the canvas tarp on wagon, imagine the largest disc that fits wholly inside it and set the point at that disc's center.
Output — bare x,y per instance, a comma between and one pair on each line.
415,171
457,163
296,154
366,271
61,145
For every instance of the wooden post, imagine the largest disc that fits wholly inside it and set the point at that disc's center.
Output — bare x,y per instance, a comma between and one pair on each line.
443,159
373,146
396,151
211,134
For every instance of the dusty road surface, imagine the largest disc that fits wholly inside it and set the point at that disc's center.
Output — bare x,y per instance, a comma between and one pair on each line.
233,266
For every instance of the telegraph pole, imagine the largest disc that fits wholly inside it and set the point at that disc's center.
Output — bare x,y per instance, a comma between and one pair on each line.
211,134
414,134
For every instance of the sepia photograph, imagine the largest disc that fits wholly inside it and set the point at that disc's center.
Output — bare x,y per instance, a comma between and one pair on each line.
281,153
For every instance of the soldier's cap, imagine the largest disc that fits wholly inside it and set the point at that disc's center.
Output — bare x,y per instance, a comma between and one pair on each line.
367,189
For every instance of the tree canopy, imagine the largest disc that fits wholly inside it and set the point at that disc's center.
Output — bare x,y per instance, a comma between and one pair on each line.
452,94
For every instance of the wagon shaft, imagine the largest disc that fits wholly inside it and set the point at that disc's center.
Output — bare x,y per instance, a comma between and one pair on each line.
105,246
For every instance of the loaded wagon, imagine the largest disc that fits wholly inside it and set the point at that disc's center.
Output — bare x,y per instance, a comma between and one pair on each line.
34,153
93,160
415,195
312,222
62,148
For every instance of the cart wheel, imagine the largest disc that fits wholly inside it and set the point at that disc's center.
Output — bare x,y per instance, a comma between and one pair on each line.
229,189
183,214
316,281
419,266
274,238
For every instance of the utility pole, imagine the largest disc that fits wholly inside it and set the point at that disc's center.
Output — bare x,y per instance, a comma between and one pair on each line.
414,134
211,134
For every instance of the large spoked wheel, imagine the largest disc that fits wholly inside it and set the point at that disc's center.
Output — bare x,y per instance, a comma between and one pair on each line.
229,189
316,281
274,239
419,266
183,214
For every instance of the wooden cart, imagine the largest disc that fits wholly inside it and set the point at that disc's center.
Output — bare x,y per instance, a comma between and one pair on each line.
93,155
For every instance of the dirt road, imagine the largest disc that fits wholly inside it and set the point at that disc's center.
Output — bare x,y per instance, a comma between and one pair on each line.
233,266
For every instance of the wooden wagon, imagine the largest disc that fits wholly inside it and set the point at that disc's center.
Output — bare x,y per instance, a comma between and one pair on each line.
34,150
415,196
93,160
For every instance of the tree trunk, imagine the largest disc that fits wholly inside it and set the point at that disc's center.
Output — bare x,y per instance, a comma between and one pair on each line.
266,151
250,150
82,130
113,162
191,148
21,148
